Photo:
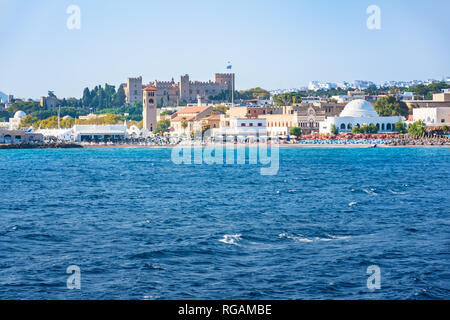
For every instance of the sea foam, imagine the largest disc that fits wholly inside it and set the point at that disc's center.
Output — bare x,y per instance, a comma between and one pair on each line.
231,239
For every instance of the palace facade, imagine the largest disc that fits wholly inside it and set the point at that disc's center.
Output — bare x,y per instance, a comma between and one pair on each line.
171,93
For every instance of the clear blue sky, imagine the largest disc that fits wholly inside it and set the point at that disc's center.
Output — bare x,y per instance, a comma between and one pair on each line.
272,44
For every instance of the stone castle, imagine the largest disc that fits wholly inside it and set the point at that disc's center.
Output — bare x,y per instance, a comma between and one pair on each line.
171,93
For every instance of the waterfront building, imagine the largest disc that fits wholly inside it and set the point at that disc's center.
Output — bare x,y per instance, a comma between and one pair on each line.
82,133
241,127
432,117
13,123
66,135
252,111
18,136
359,113
212,121
187,119
307,116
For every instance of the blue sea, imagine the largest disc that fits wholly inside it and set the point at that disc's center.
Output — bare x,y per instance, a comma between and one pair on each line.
139,226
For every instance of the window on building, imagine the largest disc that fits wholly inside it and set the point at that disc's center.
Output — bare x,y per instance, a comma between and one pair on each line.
242,124
259,124
251,124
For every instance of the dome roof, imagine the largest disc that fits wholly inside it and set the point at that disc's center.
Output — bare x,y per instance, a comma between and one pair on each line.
20,114
359,109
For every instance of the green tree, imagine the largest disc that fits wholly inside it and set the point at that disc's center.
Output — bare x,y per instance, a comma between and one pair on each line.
162,126
296,131
416,129
445,129
184,123
400,127
86,100
119,98
28,121
373,128
357,129
334,130
389,106
220,110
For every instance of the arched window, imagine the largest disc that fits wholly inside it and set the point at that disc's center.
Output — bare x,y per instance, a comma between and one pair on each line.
343,126
388,127
382,126
378,126
150,101
349,126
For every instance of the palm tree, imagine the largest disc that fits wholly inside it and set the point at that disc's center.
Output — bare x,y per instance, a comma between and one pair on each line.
184,123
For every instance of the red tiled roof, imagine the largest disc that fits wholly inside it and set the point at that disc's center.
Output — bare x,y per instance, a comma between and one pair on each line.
179,118
192,110
150,88
213,117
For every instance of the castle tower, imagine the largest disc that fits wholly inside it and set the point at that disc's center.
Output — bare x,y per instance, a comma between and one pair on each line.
225,79
149,109
185,88
133,90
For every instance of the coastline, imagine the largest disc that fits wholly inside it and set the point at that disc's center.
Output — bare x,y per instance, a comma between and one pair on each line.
134,146
315,146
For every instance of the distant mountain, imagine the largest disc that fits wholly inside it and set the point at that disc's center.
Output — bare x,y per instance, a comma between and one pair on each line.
3,97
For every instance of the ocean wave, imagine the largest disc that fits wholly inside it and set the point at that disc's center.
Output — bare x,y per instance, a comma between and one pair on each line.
370,191
353,203
231,239
301,238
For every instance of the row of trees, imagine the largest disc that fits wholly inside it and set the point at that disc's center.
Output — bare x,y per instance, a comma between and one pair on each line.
100,98
426,92
52,122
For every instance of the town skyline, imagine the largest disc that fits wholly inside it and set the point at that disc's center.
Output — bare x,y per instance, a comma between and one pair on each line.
343,84
270,45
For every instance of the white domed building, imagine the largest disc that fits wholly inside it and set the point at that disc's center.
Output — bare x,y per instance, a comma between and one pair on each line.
15,122
359,113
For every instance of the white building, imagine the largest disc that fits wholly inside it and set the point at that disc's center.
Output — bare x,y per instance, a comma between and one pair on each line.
359,113
66,135
241,127
13,123
437,116
362,84
99,132
318,85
